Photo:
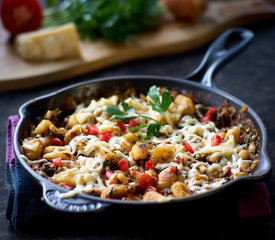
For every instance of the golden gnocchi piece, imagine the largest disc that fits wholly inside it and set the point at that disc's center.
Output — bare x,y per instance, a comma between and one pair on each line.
109,157
152,196
75,131
167,177
179,189
129,141
140,151
118,178
66,155
235,132
33,148
187,104
42,127
161,153
72,121
116,191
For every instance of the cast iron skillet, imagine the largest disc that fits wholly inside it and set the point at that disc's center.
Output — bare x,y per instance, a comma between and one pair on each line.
220,52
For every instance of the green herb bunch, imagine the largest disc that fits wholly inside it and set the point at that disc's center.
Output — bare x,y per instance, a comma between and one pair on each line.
114,20
159,104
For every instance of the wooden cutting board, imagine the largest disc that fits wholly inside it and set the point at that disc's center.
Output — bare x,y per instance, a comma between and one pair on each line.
172,37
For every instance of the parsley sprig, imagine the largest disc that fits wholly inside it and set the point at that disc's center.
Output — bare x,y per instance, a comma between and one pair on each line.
159,104
114,20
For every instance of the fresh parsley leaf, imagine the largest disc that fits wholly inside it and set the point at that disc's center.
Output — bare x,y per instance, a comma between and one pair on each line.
166,100
115,112
114,20
153,128
160,104
129,109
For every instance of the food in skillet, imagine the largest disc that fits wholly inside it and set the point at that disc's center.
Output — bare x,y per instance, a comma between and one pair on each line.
156,147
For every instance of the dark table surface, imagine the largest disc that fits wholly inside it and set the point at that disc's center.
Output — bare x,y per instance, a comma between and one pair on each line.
250,77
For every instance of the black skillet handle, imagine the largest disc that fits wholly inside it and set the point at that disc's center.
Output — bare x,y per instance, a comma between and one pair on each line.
51,196
220,52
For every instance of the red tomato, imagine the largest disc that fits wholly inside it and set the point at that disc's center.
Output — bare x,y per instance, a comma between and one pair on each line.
216,140
210,114
149,165
123,166
57,162
92,130
133,123
188,147
105,136
122,127
146,180
57,142
108,174
21,15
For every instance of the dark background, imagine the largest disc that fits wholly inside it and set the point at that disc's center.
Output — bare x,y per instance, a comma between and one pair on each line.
250,77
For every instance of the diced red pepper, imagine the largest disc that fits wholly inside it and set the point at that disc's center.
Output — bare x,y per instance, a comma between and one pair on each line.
122,127
66,186
133,123
123,165
105,136
57,142
206,119
108,174
210,114
57,161
188,147
146,180
92,130
216,140
149,165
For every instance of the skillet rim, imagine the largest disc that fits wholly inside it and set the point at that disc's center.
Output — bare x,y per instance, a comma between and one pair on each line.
52,186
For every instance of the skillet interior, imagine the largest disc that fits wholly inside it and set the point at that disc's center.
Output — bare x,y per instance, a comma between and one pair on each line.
33,109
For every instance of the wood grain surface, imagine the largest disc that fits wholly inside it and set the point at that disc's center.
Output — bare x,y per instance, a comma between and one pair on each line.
171,37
